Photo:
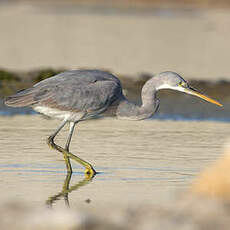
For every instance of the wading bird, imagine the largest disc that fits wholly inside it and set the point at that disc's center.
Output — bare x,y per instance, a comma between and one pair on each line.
78,95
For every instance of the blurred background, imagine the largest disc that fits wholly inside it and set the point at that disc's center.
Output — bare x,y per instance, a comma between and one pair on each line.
132,38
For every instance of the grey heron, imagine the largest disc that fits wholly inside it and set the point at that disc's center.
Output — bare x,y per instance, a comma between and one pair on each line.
78,95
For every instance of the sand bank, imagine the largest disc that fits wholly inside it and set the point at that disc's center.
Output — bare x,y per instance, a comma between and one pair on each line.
193,42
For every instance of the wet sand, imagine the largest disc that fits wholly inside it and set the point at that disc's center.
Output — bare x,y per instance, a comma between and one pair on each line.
145,161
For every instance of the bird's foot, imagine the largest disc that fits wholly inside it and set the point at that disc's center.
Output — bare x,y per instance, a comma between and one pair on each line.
50,142
90,172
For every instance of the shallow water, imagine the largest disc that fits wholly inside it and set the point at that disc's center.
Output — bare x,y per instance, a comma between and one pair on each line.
137,161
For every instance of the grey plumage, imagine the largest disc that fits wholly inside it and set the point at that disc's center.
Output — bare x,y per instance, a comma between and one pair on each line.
77,95
92,92
77,90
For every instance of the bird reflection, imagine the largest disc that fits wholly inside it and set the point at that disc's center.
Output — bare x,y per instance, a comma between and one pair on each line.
66,189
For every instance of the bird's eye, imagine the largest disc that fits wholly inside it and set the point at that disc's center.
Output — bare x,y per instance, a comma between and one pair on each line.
182,83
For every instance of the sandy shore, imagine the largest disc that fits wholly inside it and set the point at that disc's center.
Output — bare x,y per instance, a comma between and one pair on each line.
193,42
145,169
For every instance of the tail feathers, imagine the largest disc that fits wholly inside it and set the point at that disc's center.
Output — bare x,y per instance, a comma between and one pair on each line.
21,99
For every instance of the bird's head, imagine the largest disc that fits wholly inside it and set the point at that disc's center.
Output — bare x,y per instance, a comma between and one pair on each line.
171,80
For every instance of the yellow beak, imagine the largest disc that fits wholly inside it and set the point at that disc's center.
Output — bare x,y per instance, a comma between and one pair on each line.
194,92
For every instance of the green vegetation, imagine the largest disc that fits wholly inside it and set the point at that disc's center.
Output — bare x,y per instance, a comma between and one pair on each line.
11,82
8,82
8,76
45,73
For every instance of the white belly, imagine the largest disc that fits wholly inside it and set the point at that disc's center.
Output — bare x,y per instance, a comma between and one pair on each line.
59,114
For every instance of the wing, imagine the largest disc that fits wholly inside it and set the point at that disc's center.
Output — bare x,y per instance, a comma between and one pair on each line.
79,90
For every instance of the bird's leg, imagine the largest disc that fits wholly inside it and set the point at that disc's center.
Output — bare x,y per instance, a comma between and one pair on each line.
89,170
71,129
50,140
67,160
51,143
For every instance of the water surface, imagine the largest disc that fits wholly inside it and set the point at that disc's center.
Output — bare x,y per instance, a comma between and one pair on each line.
138,161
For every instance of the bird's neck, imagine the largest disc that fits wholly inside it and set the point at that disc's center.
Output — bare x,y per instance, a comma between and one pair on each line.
130,111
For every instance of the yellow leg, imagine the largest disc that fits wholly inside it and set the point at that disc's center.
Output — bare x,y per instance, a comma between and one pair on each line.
89,170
